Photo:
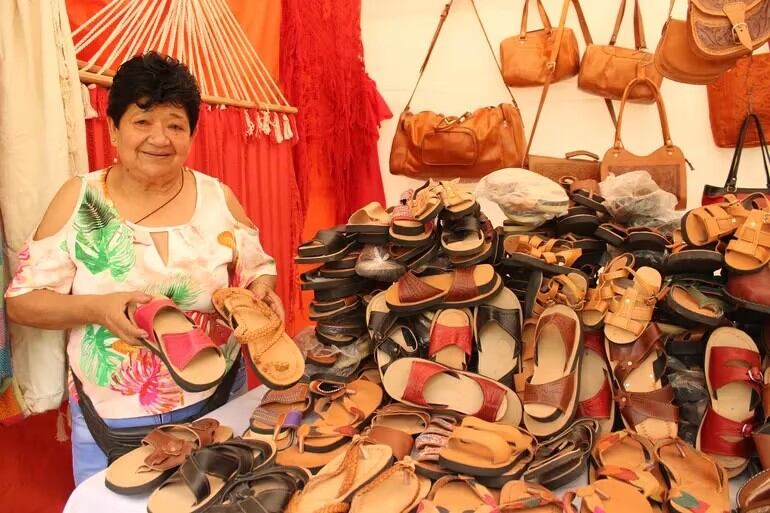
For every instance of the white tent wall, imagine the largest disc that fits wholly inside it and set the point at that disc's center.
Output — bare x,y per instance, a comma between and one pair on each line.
462,76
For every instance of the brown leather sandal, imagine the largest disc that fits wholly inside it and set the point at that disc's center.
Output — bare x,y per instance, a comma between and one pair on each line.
607,287
645,400
703,225
551,256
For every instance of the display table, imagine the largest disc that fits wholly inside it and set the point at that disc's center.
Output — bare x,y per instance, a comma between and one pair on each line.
92,495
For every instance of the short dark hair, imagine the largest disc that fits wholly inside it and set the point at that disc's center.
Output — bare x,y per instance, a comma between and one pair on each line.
153,79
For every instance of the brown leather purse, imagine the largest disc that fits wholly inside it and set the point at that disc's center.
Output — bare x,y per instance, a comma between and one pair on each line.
675,60
606,70
727,29
430,145
742,89
666,165
580,164
524,57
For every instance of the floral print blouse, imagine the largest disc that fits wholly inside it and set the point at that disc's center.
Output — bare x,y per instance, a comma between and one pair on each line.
98,252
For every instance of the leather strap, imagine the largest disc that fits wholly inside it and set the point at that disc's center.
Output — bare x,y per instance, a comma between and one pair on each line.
441,21
443,336
639,41
661,111
555,393
732,176
463,285
551,66
600,405
726,437
543,17
734,364
412,289
493,397
636,407
399,441
630,356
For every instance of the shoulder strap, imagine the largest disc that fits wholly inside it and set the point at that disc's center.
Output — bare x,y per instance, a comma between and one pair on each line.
732,176
552,65
639,41
441,21
661,111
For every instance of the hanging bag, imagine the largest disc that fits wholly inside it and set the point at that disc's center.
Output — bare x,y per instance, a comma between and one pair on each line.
715,193
742,89
580,164
430,145
666,165
727,29
675,60
525,57
606,70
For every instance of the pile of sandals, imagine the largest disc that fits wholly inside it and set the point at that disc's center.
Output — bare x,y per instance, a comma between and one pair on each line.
502,366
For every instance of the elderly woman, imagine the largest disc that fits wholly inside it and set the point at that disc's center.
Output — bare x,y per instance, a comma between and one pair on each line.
110,240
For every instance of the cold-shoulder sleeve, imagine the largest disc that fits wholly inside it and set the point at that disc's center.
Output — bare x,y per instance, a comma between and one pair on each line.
43,264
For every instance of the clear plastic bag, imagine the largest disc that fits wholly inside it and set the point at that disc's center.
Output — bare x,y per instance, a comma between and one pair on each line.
634,199
375,263
523,196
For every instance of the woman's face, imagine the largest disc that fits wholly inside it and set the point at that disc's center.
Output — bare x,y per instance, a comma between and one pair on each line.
152,143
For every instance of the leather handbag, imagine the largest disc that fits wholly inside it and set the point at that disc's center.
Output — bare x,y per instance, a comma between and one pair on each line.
715,193
606,70
430,145
742,89
524,57
580,164
666,165
727,29
675,60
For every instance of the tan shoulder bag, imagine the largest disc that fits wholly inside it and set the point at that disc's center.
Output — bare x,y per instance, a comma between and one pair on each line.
606,70
431,145
666,165
727,29
524,57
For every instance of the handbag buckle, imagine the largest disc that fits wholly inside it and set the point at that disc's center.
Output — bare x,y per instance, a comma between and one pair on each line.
742,25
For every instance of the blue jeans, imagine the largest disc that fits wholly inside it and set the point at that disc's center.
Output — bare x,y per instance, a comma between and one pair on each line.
88,458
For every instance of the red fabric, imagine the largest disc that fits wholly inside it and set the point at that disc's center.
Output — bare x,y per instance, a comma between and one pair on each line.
322,72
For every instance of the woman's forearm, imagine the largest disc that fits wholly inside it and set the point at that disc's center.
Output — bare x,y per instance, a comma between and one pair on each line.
50,310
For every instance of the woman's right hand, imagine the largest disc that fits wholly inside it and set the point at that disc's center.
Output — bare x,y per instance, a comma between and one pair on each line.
110,311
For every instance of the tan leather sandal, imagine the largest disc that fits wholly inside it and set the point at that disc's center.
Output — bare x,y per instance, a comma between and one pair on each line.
607,287
550,256
749,249
631,311
608,496
703,225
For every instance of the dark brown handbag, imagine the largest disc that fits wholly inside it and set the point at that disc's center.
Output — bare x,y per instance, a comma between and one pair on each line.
675,60
666,165
606,70
716,193
581,164
742,89
430,145
524,57
727,29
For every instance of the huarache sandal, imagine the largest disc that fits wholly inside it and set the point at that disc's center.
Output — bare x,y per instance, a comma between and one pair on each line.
457,201
607,287
645,399
685,259
333,486
608,496
497,326
371,218
414,211
749,249
628,457
703,225
578,220
451,338
341,409
563,458
458,494
462,287
631,312
162,451
699,299
268,490
280,410
274,357
642,238
551,256
521,496
595,399
325,246
488,251
586,193
430,442
427,384
551,395
698,484
462,236
734,379
194,362
396,490
323,310
200,480
611,233
402,417
480,448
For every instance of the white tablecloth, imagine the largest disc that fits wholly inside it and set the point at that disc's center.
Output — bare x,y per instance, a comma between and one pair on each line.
92,495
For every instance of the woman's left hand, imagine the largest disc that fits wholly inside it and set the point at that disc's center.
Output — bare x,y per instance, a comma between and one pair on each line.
264,293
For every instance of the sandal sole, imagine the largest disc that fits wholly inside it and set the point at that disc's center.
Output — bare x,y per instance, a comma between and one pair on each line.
521,260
